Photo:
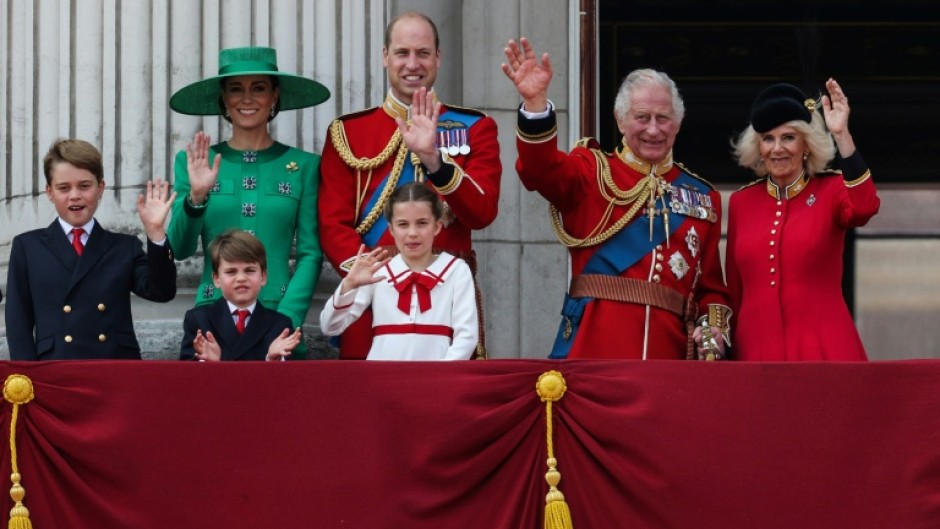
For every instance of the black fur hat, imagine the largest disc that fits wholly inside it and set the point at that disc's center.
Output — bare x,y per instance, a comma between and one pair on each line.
778,104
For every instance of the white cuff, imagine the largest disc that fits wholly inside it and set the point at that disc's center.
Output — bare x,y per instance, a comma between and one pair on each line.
537,115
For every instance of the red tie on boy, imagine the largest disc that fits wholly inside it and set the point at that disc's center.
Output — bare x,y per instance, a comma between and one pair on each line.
242,316
77,240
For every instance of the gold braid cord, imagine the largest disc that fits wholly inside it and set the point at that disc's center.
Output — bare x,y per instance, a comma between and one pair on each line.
390,186
480,353
17,390
550,388
341,144
636,197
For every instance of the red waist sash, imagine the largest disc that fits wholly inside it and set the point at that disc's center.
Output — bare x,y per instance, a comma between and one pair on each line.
413,328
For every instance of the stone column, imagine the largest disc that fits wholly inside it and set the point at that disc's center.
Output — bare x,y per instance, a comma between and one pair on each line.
107,75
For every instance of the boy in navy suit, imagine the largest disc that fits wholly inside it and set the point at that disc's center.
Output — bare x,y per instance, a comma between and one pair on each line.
237,326
69,284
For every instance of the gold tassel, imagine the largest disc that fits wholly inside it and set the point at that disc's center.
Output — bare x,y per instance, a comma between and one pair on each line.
550,388
18,389
419,172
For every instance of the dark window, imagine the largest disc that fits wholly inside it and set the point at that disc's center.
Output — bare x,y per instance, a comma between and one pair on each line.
885,54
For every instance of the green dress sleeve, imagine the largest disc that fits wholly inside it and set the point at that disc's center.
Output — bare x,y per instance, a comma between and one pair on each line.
309,257
185,222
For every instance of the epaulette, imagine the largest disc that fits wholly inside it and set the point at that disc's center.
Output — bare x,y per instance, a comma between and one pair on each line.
465,110
695,176
588,142
357,113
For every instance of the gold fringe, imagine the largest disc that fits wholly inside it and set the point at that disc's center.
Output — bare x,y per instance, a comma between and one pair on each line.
551,387
17,390
636,197
341,144
395,146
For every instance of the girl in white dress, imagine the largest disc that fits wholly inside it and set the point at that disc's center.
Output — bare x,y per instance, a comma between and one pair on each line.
423,304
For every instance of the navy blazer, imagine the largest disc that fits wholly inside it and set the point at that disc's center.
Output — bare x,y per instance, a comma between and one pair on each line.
64,307
263,327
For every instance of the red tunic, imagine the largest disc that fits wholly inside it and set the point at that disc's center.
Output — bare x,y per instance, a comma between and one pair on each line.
473,202
784,268
612,329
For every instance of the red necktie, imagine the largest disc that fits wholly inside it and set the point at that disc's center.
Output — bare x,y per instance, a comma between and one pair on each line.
242,316
424,284
77,240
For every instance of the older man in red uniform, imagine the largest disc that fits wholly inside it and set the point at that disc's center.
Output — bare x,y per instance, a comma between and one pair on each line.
642,231
410,137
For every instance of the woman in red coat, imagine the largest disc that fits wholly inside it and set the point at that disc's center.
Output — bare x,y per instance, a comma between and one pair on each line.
786,232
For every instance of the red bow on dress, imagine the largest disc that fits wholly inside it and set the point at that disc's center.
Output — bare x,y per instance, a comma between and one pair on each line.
424,284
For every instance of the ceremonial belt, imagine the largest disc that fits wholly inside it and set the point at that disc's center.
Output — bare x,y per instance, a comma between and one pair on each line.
628,290
616,255
413,328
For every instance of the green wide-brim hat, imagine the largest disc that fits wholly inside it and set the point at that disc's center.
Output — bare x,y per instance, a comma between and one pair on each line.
202,97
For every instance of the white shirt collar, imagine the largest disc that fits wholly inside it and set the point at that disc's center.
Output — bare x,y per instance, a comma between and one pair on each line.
399,268
232,308
67,228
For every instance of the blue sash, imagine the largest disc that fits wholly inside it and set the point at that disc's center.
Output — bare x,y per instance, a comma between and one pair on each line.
614,257
448,121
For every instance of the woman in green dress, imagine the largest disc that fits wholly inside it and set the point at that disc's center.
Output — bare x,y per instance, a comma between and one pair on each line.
251,181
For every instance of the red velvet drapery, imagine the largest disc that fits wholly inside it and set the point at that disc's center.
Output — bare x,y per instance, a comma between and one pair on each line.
334,444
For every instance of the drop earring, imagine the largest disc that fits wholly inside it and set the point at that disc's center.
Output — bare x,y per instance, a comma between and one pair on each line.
272,111
805,156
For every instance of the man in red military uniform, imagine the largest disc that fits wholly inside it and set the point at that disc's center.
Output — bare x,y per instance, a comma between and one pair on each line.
642,231
410,137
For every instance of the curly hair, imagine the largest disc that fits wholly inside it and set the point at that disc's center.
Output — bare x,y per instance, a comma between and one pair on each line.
818,143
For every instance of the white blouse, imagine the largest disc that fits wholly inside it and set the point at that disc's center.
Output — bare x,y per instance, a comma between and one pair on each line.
445,330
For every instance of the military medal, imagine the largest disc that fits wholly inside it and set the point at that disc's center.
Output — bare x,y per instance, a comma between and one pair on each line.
811,200
678,265
453,149
692,241
453,137
442,141
691,203
464,146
